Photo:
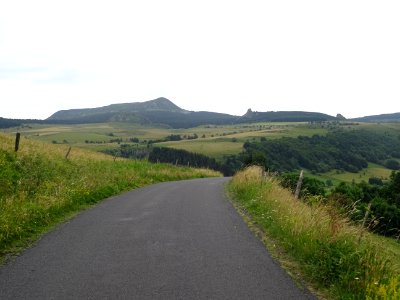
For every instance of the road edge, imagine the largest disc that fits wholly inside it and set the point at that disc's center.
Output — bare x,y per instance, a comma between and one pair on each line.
290,266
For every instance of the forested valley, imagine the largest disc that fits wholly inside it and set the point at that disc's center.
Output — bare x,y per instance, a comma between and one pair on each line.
340,150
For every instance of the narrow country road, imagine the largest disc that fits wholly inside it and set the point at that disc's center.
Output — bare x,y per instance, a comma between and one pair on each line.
177,240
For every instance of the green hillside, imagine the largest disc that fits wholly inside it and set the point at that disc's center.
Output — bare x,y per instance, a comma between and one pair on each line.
385,118
40,186
284,116
345,150
160,111
160,104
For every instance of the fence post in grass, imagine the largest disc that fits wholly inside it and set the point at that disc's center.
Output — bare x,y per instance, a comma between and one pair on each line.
17,138
364,221
299,183
263,172
69,150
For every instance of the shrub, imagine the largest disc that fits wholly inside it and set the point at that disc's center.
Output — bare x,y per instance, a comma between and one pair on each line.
392,164
310,186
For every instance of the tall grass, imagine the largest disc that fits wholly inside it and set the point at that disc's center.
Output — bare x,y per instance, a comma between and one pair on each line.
327,248
40,187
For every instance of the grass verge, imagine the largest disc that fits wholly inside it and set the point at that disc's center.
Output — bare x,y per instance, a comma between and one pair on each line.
40,187
340,260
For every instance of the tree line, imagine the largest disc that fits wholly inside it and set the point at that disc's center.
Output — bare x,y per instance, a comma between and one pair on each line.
182,157
175,156
339,150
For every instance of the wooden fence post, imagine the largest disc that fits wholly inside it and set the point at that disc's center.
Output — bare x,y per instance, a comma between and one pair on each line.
17,139
364,221
298,187
69,150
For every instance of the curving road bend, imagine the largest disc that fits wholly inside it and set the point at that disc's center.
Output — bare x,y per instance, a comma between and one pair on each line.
176,240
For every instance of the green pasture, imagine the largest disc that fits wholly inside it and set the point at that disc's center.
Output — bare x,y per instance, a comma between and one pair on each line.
373,170
105,131
94,133
337,176
216,148
213,140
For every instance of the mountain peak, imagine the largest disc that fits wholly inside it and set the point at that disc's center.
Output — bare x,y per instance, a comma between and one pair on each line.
161,104
340,117
106,112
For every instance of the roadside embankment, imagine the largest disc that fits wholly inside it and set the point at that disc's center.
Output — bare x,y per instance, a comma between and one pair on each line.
336,257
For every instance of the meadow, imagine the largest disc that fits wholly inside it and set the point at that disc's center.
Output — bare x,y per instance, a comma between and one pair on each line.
40,185
336,177
101,134
214,141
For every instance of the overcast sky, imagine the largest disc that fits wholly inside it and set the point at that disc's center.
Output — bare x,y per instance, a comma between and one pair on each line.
223,56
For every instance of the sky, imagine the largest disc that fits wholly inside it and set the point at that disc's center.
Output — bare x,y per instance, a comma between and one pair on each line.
222,56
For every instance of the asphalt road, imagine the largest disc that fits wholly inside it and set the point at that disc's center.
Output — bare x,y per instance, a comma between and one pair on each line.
178,240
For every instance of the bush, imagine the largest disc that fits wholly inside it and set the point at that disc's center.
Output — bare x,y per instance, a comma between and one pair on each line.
310,186
384,197
255,158
375,180
392,164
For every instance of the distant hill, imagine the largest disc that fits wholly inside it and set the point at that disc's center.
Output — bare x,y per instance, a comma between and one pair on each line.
109,111
7,123
284,116
384,118
164,112
160,111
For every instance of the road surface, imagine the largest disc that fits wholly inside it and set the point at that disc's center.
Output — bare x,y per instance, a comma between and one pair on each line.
176,240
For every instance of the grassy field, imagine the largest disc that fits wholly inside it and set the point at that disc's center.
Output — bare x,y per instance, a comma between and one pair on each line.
337,258
216,147
227,140
101,133
336,177
213,141
104,132
40,187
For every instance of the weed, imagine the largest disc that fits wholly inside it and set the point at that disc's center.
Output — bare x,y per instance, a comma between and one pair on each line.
323,242
382,291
